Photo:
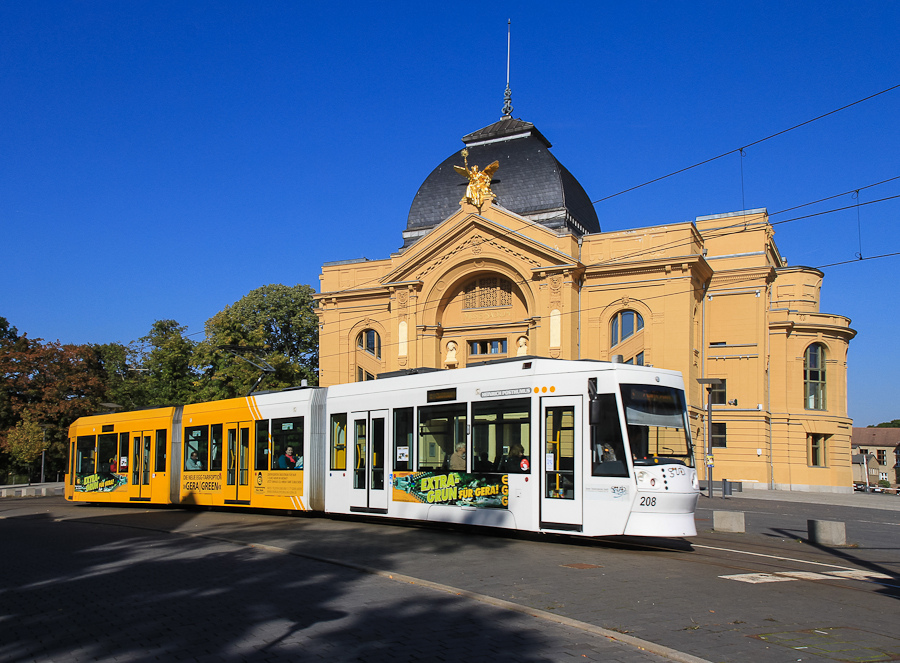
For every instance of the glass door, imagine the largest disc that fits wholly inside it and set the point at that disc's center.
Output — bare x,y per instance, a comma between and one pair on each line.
561,446
139,488
237,463
368,453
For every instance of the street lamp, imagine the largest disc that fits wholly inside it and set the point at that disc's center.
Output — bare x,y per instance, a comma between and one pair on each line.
709,383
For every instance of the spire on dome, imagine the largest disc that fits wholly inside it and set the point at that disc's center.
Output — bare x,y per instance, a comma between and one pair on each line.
507,95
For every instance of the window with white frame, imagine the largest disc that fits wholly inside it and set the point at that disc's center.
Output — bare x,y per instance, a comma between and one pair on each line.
814,377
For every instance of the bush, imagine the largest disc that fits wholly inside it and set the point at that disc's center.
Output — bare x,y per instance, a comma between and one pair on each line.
884,484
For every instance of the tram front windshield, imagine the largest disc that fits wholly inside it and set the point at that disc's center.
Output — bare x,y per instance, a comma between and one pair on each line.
657,424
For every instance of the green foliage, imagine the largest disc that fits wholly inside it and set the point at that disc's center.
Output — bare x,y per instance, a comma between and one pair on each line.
7,333
49,384
165,359
126,384
25,442
888,424
279,321
884,484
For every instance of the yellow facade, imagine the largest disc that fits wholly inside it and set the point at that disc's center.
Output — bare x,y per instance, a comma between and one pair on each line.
712,298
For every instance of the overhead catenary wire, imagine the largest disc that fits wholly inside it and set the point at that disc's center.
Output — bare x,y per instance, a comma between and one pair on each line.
645,299
710,234
743,147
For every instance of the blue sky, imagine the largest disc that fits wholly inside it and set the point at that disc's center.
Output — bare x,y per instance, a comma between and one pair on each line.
162,159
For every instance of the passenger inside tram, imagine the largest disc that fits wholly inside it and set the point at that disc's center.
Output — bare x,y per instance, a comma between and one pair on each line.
193,463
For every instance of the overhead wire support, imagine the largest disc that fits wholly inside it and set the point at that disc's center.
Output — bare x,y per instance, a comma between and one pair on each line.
239,351
858,224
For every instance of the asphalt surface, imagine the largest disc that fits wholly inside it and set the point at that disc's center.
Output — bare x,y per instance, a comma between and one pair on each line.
84,582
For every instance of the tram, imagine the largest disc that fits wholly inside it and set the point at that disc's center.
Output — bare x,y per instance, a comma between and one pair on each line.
545,445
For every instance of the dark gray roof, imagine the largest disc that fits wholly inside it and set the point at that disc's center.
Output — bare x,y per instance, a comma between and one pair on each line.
529,182
507,126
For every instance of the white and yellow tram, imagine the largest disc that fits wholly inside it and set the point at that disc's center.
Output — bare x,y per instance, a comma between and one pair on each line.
579,447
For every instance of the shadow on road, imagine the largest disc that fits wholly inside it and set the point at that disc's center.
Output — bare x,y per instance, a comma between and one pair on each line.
116,585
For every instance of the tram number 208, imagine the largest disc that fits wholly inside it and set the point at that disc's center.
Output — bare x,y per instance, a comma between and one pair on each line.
648,501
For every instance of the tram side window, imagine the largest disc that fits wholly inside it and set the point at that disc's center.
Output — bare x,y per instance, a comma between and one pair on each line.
403,439
215,461
287,434
262,445
84,457
501,435
160,465
441,427
106,452
123,452
339,441
607,444
196,441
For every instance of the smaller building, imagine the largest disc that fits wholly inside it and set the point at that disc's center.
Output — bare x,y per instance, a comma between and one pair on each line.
876,456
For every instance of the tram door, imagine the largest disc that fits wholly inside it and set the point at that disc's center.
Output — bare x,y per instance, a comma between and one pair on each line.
237,463
141,459
561,463
369,487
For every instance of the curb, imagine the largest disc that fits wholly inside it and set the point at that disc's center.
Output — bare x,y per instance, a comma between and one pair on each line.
623,638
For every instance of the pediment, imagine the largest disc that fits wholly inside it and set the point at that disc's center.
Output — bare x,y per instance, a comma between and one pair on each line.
498,233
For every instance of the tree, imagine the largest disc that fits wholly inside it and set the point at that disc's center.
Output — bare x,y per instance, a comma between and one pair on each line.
888,424
7,333
25,442
51,382
280,322
126,384
165,358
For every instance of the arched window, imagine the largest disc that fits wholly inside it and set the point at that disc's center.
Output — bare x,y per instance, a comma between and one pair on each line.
370,341
814,377
624,325
625,336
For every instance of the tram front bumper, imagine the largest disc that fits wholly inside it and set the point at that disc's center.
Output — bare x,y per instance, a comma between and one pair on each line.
666,514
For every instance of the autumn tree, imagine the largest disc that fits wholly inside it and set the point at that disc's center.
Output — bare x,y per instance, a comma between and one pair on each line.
54,383
278,321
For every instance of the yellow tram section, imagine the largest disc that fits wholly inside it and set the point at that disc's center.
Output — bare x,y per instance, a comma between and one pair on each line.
121,457
225,454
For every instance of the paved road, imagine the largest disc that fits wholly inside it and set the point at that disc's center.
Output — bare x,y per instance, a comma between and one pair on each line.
137,584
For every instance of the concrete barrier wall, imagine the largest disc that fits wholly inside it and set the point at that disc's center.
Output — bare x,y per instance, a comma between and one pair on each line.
728,521
827,532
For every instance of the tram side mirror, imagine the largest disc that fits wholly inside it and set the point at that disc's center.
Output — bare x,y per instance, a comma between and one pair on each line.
597,413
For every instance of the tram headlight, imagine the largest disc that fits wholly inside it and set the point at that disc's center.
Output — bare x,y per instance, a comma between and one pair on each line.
646,479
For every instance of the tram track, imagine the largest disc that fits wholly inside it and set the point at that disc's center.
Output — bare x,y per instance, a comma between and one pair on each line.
394,576
721,554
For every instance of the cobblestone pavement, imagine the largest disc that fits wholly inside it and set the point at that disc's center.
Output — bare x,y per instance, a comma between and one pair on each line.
73,591
239,585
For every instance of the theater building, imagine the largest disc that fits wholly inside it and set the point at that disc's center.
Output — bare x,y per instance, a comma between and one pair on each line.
530,272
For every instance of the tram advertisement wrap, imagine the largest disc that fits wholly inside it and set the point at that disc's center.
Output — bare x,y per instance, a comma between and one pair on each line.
105,482
280,484
484,491
197,482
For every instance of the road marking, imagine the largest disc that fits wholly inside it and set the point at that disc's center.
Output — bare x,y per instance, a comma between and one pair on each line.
785,576
783,559
756,578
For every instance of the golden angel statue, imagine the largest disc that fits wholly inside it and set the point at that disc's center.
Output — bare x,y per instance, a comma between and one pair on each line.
479,189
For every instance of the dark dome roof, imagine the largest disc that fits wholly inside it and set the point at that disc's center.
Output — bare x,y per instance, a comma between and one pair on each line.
529,182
